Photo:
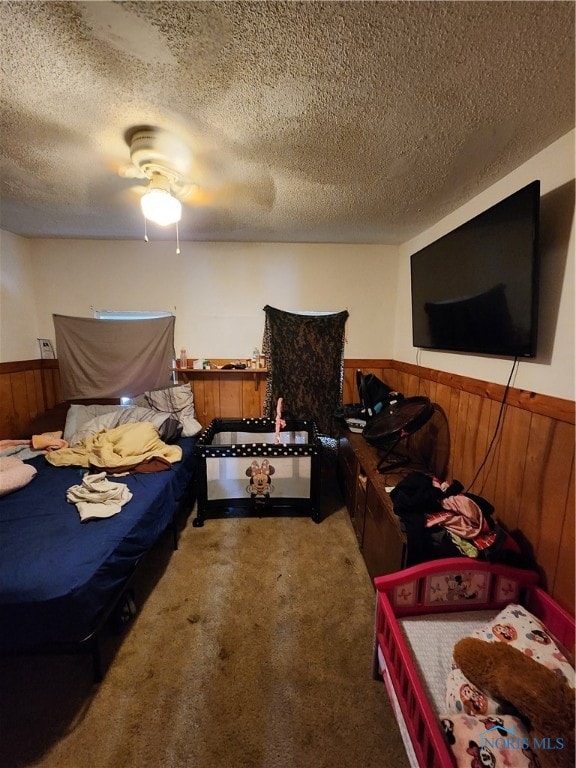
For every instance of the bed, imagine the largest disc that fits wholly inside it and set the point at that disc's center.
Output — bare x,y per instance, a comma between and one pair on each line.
62,574
421,613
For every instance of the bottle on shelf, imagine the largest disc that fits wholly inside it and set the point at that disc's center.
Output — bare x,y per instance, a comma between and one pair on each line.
255,357
183,358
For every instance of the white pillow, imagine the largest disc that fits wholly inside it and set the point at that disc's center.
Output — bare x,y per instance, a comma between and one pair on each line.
516,626
142,401
78,415
178,401
91,427
167,424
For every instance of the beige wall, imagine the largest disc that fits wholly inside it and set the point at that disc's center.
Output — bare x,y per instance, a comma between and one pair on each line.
218,290
552,371
18,318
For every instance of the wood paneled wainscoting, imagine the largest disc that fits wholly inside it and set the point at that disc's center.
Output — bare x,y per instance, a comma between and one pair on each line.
529,474
30,387
27,389
226,393
528,477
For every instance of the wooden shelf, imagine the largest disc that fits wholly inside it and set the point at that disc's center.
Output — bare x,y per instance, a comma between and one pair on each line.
255,373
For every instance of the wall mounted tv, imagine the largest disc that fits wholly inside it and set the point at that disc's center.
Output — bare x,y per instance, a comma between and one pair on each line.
475,289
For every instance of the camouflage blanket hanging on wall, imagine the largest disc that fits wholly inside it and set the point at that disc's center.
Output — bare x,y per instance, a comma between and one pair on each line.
305,359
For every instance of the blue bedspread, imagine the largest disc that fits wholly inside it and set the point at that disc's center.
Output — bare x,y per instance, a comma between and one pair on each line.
57,574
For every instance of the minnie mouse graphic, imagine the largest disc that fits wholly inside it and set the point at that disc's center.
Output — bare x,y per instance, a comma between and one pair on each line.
504,632
473,700
260,480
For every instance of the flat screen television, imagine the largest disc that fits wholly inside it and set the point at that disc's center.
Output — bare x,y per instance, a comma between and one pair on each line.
475,289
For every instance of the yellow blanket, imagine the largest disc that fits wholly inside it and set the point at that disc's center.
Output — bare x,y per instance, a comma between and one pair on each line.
128,444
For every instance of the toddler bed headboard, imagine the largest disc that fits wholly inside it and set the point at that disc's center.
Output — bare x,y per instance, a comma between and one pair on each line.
459,583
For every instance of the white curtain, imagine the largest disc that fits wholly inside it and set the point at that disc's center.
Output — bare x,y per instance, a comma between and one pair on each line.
113,358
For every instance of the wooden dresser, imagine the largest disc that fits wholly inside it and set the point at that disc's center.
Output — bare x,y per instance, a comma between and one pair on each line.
382,542
377,528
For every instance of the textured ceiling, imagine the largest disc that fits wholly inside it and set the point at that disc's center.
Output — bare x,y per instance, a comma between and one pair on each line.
307,121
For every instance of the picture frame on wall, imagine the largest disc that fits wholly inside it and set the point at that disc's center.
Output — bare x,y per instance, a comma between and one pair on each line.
46,349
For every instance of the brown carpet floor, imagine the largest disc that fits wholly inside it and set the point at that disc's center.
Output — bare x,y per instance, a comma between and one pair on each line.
252,648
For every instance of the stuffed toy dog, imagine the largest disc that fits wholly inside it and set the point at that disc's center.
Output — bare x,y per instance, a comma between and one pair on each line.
541,696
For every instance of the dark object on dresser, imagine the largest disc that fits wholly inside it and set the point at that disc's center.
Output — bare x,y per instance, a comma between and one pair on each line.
396,422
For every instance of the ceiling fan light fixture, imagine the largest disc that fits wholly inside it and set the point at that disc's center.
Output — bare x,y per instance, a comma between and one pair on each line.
158,203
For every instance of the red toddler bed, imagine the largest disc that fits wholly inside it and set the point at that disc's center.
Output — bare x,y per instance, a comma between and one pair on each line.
421,612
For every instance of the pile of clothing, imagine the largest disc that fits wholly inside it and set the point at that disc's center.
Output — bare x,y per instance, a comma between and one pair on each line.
14,472
441,520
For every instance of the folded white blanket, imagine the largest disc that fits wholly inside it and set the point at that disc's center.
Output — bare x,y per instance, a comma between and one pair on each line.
97,497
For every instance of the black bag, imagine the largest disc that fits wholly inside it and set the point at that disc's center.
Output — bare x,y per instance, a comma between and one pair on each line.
374,394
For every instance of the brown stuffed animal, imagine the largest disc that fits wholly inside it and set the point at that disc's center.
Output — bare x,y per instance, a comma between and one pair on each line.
540,695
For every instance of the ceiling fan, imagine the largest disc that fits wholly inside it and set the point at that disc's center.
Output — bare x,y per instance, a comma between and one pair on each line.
187,169
165,160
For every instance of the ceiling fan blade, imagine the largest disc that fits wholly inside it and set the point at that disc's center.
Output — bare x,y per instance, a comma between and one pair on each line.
129,171
238,195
